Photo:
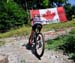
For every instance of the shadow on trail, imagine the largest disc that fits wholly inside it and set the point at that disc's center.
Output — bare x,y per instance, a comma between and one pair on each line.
32,51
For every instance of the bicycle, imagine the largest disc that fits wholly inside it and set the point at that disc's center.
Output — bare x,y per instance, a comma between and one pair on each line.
38,42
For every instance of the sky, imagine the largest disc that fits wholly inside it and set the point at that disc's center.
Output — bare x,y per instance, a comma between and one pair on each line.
72,2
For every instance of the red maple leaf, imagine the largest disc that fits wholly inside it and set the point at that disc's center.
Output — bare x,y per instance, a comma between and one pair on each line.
48,15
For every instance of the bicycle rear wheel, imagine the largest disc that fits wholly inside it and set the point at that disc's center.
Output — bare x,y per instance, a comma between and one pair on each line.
39,45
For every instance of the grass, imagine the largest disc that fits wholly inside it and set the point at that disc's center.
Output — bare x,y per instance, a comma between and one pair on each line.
60,41
59,25
25,30
54,44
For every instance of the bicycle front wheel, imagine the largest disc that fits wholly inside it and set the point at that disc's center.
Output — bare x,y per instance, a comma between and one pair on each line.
39,45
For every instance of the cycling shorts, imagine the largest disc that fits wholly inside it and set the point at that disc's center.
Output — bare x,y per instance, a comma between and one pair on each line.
35,26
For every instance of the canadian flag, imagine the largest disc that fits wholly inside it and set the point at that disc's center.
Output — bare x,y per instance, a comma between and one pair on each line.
50,15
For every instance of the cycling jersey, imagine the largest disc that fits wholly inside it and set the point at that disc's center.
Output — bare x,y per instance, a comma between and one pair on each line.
37,20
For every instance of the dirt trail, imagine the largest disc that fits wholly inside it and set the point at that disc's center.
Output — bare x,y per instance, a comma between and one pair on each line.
19,54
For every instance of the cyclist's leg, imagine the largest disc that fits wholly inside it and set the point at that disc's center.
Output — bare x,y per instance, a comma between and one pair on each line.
30,41
32,32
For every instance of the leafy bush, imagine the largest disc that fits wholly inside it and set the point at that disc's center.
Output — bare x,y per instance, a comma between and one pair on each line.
12,15
69,45
72,56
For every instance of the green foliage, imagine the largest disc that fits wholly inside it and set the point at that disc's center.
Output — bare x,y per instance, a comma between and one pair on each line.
73,10
69,45
53,44
73,31
66,43
72,56
11,15
68,11
45,3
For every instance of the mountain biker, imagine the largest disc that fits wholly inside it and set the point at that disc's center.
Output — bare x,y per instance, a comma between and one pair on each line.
36,21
